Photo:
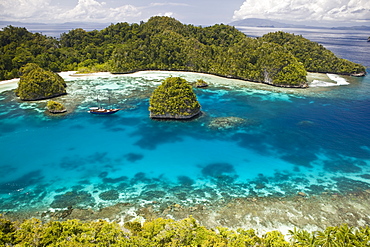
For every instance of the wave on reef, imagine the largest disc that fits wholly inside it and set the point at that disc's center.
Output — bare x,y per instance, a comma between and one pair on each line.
336,80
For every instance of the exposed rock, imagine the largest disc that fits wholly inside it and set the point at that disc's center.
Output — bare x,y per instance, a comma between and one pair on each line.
363,73
201,83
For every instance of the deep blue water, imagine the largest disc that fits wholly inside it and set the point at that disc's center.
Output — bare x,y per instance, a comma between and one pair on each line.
314,141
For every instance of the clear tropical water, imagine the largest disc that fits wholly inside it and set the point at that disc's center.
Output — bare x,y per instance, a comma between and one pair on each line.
251,140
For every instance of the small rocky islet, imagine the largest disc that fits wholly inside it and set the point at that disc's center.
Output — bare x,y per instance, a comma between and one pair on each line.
36,84
174,99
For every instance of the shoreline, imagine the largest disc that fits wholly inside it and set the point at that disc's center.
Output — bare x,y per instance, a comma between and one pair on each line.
241,82
264,214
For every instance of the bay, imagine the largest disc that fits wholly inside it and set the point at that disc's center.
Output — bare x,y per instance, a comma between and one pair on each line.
252,141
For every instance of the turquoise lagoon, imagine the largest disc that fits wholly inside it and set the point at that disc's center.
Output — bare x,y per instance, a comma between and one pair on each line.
287,141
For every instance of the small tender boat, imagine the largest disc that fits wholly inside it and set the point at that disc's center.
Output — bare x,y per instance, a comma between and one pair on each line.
103,111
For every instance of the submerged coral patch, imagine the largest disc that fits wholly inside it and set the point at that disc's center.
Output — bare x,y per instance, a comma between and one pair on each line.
31,178
224,123
152,195
115,180
133,157
342,165
218,170
301,159
350,185
185,181
72,199
109,195
150,137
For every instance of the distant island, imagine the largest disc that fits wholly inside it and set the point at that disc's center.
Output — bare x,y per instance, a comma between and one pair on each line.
258,22
163,43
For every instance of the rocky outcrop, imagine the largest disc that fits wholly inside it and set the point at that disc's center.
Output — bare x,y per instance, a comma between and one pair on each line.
201,83
363,73
225,123
174,99
36,83
55,107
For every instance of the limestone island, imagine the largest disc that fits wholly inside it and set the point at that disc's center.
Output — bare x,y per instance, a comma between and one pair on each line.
55,107
174,99
36,83
201,83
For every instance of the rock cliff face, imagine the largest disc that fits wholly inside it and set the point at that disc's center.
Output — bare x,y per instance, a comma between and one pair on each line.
37,83
174,99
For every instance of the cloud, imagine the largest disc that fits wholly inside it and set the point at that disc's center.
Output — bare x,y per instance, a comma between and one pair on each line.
23,9
170,4
168,14
85,11
301,10
91,10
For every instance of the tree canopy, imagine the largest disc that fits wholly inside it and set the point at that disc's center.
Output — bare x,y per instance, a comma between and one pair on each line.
55,107
174,98
314,57
164,43
36,83
168,232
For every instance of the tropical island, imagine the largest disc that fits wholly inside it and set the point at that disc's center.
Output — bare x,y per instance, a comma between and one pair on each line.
36,84
174,99
163,43
55,107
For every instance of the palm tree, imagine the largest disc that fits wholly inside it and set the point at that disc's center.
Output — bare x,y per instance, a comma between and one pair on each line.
327,238
302,238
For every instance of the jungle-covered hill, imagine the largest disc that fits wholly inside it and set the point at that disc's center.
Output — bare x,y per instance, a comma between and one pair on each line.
166,44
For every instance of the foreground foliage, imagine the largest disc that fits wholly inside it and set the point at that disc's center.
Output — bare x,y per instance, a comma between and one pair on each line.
166,44
174,98
36,83
167,232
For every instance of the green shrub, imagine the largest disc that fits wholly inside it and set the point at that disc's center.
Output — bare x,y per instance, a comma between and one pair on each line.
168,232
55,107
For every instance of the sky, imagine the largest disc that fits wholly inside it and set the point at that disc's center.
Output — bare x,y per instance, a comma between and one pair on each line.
197,12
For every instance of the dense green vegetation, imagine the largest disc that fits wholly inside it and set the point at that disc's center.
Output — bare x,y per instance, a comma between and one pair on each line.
36,83
174,98
165,43
55,107
314,56
167,232
201,83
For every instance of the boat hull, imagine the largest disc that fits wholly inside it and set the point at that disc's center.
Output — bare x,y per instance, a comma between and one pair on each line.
103,111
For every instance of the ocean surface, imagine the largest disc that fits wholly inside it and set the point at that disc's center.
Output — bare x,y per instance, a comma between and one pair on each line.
251,140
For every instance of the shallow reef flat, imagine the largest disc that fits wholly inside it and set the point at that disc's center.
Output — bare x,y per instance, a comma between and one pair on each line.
260,213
